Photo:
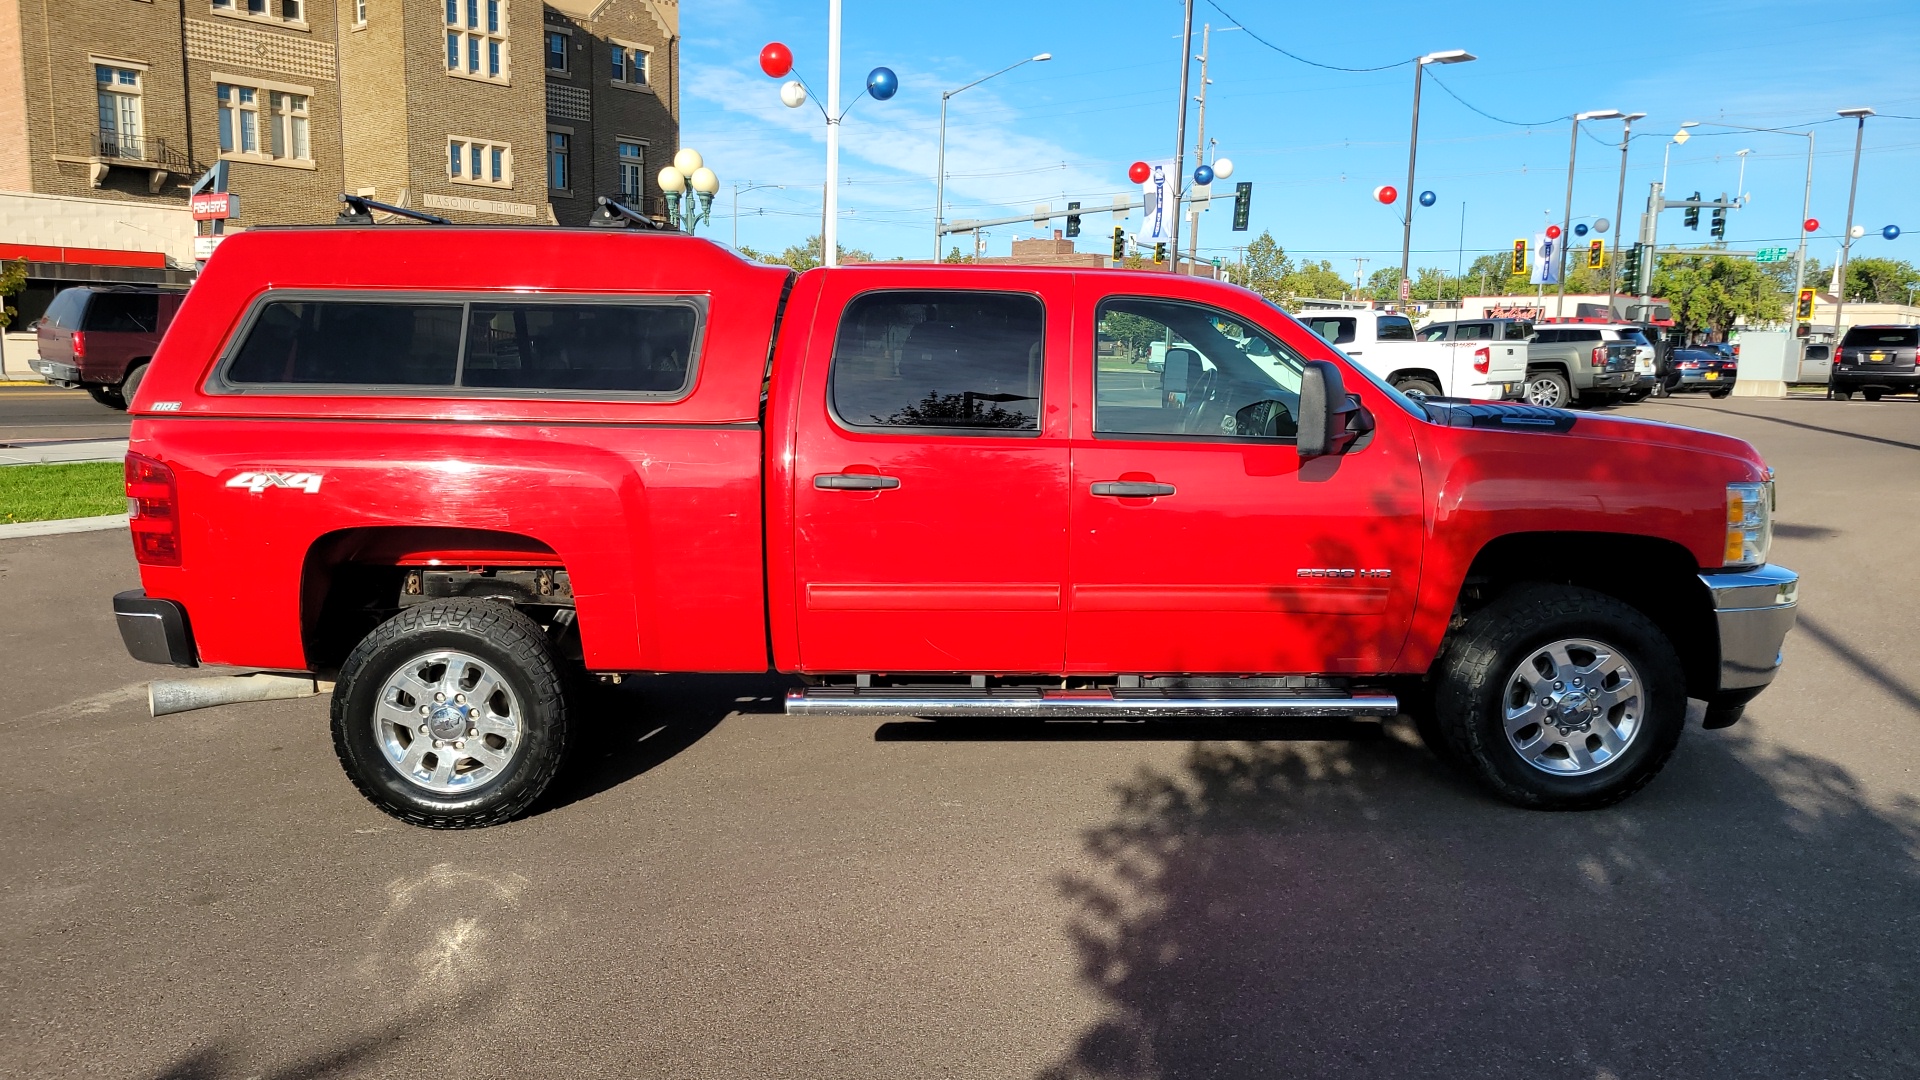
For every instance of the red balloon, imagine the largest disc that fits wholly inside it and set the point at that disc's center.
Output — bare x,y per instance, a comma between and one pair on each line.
1386,193
1138,172
1553,232
1812,224
776,60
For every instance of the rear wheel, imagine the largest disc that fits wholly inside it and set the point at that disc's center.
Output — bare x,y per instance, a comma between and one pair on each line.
107,395
1549,389
1560,698
1720,393
1422,386
1870,394
450,715
1637,396
131,384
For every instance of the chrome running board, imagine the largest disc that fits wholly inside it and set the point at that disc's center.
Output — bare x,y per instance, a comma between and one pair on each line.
1114,703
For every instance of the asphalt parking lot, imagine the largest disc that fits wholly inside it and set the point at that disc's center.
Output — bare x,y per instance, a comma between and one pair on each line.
720,891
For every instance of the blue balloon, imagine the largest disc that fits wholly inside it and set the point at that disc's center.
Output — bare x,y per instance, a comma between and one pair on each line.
1428,198
1579,230
1891,232
882,83
1203,175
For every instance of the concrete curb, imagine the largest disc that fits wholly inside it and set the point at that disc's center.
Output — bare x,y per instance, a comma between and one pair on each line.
63,526
63,452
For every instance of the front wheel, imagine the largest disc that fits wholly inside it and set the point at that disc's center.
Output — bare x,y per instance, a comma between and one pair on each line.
1870,394
107,395
1422,386
1549,389
450,715
1560,698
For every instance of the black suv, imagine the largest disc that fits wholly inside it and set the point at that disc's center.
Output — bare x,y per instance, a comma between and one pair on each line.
1876,360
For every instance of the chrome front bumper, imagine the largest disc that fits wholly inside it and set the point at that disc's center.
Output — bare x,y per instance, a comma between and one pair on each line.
1754,609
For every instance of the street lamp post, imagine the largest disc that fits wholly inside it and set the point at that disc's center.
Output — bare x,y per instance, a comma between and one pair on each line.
737,189
1446,56
1859,115
1679,139
940,178
686,182
1806,204
1620,207
1566,217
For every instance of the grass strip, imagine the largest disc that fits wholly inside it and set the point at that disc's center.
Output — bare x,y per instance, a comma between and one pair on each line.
52,492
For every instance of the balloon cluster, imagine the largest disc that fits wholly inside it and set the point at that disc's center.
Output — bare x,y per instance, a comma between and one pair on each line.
776,60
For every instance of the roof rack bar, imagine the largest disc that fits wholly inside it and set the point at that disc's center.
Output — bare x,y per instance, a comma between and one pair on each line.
360,210
614,214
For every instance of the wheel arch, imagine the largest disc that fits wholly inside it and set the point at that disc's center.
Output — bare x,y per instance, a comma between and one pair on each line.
1416,373
1654,575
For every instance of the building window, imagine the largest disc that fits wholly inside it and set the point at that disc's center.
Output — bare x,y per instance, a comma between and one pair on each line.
556,51
629,64
271,124
293,11
477,35
118,91
359,12
479,161
633,170
558,172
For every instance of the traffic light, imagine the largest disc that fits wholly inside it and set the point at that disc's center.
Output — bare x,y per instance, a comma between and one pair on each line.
1691,218
1803,307
1119,243
1719,229
1519,267
1630,269
1073,219
1160,252
1242,205
1597,255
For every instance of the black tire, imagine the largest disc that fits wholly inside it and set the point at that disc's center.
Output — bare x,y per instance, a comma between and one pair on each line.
498,636
1469,698
1718,394
131,384
1424,386
1634,397
1547,388
107,395
1871,394
1843,395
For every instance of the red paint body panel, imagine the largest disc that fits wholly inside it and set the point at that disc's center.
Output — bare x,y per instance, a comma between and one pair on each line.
696,541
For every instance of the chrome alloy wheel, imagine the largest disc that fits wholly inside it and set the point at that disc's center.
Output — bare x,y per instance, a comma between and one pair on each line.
1544,393
1573,707
447,722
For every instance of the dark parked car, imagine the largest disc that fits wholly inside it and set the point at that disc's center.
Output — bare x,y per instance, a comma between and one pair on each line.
1876,360
101,336
1704,370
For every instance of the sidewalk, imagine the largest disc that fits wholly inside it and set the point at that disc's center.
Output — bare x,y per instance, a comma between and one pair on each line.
62,451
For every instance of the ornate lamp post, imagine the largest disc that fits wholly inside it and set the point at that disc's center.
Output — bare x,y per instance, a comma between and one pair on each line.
689,186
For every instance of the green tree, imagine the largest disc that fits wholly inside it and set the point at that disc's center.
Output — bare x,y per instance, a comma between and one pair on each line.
1488,276
1314,279
1265,268
1712,291
13,279
1880,281
954,256
807,256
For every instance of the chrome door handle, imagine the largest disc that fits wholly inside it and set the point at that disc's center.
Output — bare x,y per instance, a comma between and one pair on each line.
855,482
1131,489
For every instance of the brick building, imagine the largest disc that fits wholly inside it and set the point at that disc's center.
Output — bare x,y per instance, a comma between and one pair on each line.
501,111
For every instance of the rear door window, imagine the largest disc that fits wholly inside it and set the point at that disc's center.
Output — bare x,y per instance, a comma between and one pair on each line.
1886,337
535,348
962,362
123,313
1335,329
1474,331
1580,334
1394,328
68,308
1434,333
1517,331
1549,336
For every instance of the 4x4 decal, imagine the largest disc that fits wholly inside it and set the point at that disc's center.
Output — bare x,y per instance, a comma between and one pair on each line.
260,481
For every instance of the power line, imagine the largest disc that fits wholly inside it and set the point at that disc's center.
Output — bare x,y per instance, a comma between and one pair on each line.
1496,119
1296,56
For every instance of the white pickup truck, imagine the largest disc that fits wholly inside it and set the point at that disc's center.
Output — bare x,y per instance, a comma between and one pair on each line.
1383,342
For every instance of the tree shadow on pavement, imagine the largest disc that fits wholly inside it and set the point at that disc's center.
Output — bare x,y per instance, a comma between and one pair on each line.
624,731
224,1060
1344,910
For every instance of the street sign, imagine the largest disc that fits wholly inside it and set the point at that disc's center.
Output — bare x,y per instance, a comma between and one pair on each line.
215,206
1771,255
203,246
1406,290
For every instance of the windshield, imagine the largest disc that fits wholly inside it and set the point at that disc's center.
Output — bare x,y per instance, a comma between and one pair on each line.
1635,336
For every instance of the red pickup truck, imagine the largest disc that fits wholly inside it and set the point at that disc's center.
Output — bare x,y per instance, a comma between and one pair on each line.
455,466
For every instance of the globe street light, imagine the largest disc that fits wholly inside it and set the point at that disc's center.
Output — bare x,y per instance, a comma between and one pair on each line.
1566,216
1859,115
686,182
940,179
1445,56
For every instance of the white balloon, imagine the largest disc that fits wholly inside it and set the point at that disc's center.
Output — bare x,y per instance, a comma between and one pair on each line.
704,180
1602,225
687,160
793,94
1222,168
1858,231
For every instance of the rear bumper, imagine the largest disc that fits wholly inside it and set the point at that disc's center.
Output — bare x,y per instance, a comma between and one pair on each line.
1695,380
55,372
1613,380
1897,382
155,631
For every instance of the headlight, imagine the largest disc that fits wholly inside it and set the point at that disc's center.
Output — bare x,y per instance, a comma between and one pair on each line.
1749,523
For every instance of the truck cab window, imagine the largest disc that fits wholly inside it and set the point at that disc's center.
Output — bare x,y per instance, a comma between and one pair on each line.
1393,328
1435,333
1166,367
965,361
1337,331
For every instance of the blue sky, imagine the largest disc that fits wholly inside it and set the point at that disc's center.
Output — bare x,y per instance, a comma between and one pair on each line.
1313,142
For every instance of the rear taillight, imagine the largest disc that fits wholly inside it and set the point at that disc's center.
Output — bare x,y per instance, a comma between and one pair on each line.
153,511
1482,360
1599,356
79,345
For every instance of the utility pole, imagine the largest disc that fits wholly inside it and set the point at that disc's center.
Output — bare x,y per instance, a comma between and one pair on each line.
1846,237
1180,135
1619,208
1359,266
1649,239
1199,148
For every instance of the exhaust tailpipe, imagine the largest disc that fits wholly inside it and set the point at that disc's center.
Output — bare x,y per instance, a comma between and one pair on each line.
168,696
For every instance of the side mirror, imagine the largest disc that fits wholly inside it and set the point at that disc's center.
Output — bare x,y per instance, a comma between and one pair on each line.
1330,418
